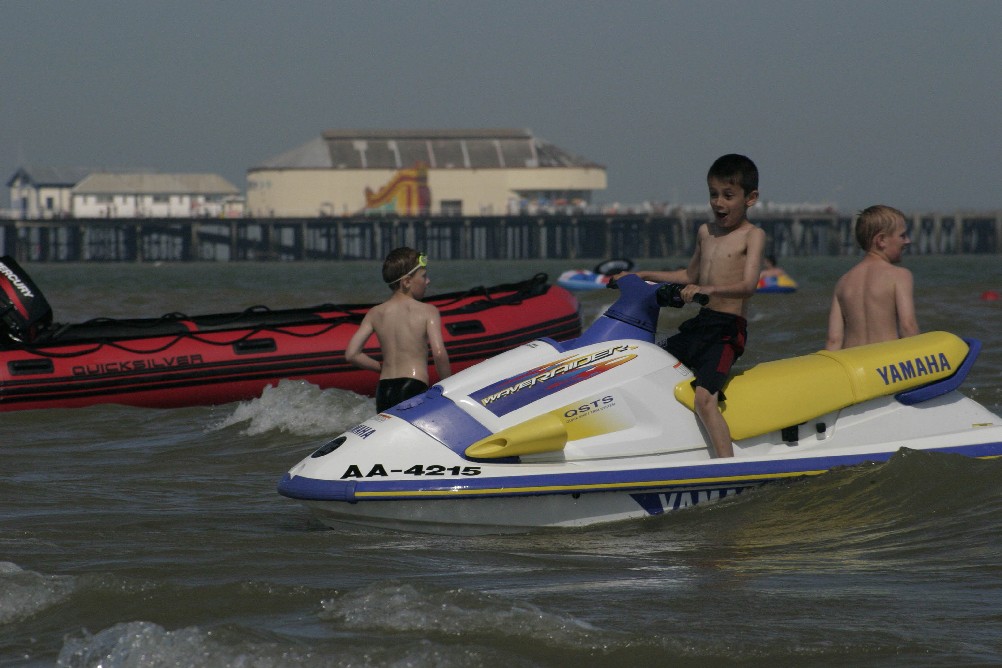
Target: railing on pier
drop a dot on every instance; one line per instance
(470, 237)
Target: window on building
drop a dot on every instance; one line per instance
(451, 207)
(50, 203)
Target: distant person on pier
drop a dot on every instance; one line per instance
(725, 265)
(406, 328)
(874, 301)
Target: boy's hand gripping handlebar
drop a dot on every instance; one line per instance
(670, 294)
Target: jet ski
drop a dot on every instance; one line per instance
(601, 428)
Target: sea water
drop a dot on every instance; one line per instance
(153, 537)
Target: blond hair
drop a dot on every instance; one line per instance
(874, 220)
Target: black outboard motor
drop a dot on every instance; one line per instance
(24, 312)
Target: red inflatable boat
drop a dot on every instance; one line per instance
(177, 360)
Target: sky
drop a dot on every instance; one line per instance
(849, 103)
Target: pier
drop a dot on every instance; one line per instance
(556, 236)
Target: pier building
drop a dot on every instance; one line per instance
(153, 195)
(44, 192)
(420, 173)
(49, 193)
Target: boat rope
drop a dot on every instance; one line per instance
(132, 329)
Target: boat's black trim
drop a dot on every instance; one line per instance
(256, 319)
(30, 367)
(206, 376)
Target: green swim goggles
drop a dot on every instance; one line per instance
(422, 261)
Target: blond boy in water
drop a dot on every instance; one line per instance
(874, 301)
(406, 328)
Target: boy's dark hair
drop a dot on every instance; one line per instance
(736, 169)
(398, 263)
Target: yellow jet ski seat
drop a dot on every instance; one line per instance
(774, 395)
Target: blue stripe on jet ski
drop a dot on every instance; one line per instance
(926, 392)
(657, 503)
(436, 415)
(311, 489)
(732, 473)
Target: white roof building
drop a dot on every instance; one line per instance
(414, 172)
(152, 195)
(79, 192)
(44, 192)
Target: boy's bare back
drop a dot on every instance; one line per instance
(870, 300)
(874, 301)
(405, 329)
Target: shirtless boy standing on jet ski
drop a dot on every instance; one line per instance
(406, 327)
(874, 301)
(725, 266)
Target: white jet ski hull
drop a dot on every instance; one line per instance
(587, 432)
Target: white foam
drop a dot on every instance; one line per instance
(403, 607)
(147, 644)
(26, 593)
(300, 408)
